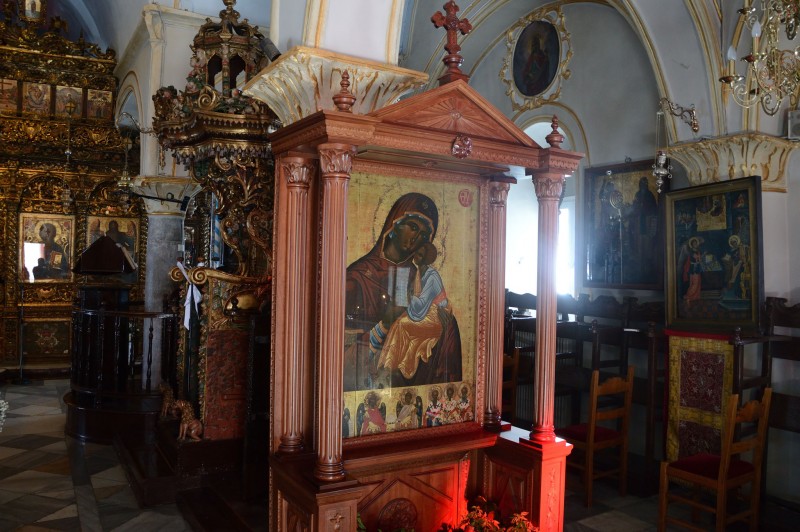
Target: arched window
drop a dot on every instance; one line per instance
(522, 223)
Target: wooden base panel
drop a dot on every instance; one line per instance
(160, 470)
(131, 418)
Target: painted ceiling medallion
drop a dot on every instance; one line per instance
(462, 147)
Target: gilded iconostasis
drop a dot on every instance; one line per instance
(60, 158)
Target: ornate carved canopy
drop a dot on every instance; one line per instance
(211, 117)
(222, 136)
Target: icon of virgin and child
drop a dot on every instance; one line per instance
(403, 331)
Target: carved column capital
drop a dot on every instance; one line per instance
(335, 158)
(548, 187)
(298, 171)
(498, 193)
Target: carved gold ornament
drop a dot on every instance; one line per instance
(462, 147)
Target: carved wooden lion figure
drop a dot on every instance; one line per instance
(167, 398)
(190, 426)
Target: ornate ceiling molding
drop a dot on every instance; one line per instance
(304, 80)
(735, 156)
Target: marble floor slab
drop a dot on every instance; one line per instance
(52, 482)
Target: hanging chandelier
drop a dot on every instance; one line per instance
(773, 74)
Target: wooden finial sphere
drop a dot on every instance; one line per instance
(344, 99)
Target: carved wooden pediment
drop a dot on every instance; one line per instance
(458, 108)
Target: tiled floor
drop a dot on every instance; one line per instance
(52, 482)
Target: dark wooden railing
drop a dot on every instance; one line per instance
(113, 351)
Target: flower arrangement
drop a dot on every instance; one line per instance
(481, 518)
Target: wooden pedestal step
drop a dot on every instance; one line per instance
(158, 472)
(102, 418)
(205, 509)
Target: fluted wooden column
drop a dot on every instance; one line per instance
(297, 173)
(498, 194)
(548, 191)
(335, 164)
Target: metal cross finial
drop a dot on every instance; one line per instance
(453, 25)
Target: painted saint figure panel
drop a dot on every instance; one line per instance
(410, 308)
(46, 242)
(8, 96)
(69, 94)
(36, 98)
(714, 257)
(98, 104)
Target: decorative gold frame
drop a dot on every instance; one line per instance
(29, 15)
(519, 101)
(59, 259)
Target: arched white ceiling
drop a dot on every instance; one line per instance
(111, 23)
(684, 41)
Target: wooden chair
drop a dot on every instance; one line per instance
(508, 408)
(609, 402)
(721, 473)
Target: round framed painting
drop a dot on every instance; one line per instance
(536, 58)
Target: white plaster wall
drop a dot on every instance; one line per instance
(361, 28)
(775, 237)
(158, 55)
(287, 23)
(792, 248)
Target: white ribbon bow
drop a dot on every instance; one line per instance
(192, 296)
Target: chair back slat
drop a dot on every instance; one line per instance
(737, 441)
(613, 386)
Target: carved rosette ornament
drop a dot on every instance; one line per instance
(462, 147)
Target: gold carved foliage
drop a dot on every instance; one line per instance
(44, 193)
(36, 141)
(47, 38)
(103, 201)
(49, 293)
(243, 187)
